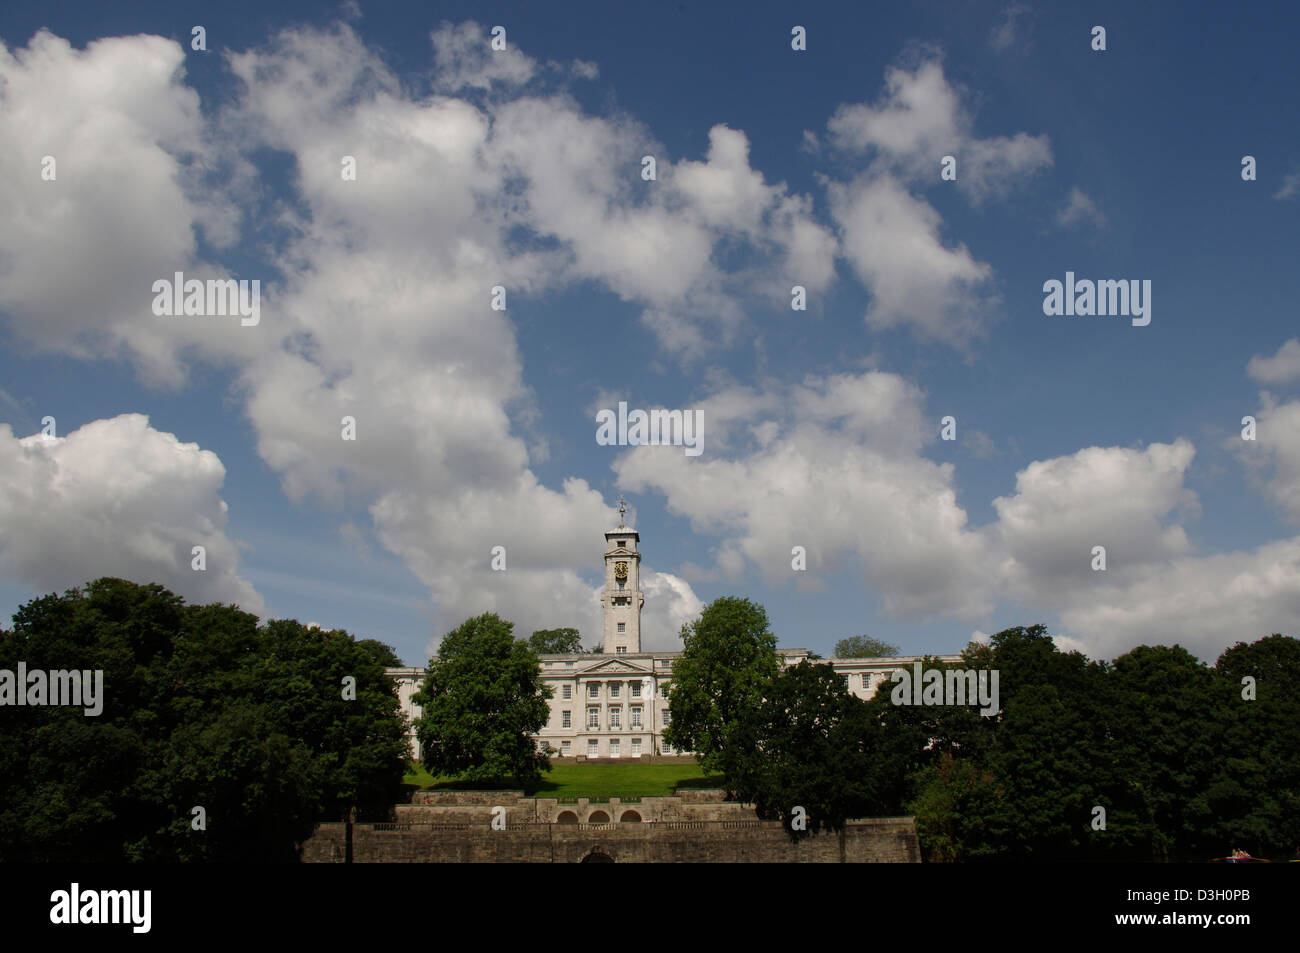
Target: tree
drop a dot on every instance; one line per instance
(483, 701)
(728, 661)
(201, 708)
(1255, 792)
(862, 646)
(556, 642)
(807, 744)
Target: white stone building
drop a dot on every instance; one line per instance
(615, 705)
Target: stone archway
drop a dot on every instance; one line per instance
(630, 817)
(598, 817)
(596, 856)
(567, 817)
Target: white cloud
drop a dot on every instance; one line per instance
(117, 498)
(465, 58)
(920, 119)
(1281, 368)
(1274, 455)
(892, 240)
(1100, 496)
(80, 258)
(1204, 603)
(833, 465)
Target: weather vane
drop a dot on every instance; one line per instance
(622, 510)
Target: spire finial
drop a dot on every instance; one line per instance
(622, 510)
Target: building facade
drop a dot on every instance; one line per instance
(614, 704)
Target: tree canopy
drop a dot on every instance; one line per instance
(203, 708)
(483, 701)
(556, 642)
(808, 744)
(727, 663)
(863, 646)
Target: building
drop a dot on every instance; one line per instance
(614, 704)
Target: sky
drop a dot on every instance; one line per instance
(820, 252)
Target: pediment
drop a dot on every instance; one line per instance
(616, 666)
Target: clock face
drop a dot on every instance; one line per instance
(620, 570)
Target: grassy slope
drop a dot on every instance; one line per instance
(594, 780)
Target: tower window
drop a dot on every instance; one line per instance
(622, 627)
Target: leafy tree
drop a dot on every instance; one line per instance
(1254, 794)
(728, 661)
(1168, 734)
(807, 744)
(957, 811)
(862, 646)
(556, 642)
(201, 708)
(483, 701)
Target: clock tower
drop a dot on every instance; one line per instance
(621, 598)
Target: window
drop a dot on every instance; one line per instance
(614, 717)
(566, 748)
(613, 747)
(613, 689)
(591, 747)
(622, 627)
(593, 689)
(665, 721)
(636, 689)
(593, 717)
(636, 747)
(866, 681)
(566, 719)
(566, 692)
(620, 650)
(636, 716)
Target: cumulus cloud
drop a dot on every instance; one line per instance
(77, 259)
(919, 119)
(117, 498)
(1274, 455)
(1280, 368)
(836, 464)
(892, 240)
(831, 464)
(891, 237)
(1113, 497)
(1204, 603)
(465, 58)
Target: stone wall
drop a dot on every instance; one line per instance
(876, 840)
(475, 807)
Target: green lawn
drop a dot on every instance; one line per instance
(568, 780)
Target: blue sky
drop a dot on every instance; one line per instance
(775, 167)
